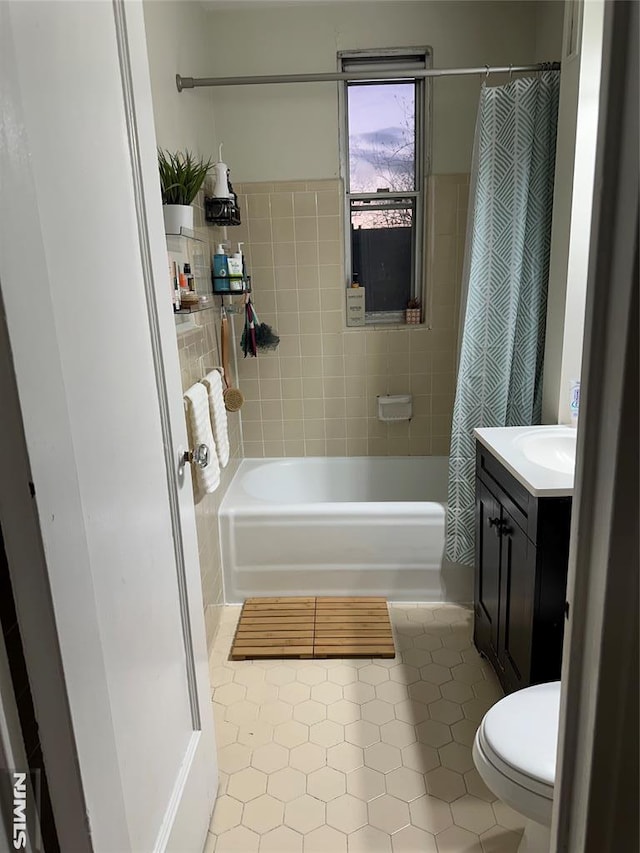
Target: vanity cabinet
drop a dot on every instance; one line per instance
(522, 551)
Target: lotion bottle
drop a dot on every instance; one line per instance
(220, 270)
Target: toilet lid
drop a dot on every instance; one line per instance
(522, 731)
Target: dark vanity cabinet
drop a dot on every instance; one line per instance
(522, 550)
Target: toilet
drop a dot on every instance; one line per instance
(515, 754)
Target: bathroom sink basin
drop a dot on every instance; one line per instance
(552, 449)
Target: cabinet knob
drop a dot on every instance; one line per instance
(495, 522)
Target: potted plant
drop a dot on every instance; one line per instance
(412, 312)
(181, 177)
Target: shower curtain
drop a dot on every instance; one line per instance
(506, 273)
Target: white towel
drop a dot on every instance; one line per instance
(213, 383)
(199, 423)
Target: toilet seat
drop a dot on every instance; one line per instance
(515, 749)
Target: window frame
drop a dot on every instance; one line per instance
(385, 58)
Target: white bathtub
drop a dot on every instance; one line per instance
(339, 526)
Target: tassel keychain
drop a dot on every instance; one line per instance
(264, 337)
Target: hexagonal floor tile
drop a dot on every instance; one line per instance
(476, 787)
(312, 675)
(430, 814)
(413, 840)
(433, 673)
(365, 784)
(433, 733)
(362, 733)
(239, 838)
(377, 712)
(226, 814)
(294, 693)
(326, 692)
(347, 813)
(263, 814)
(326, 733)
(304, 814)
(345, 757)
(388, 814)
(391, 691)
(455, 839)
(429, 642)
(373, 673)
(500, 840)
(226, 733)
(359, 692)
(275, 713)
(475, 709)
(229, 693)
(326, 784)
(488, 689)
(382, 757)
(242, 712)
(411, 711)
(445, 784)
(342, 674)
(508, 817)
(280, 675)
(445, 711)
(457, 691)
(325, 839)
(234, 757)
(287, 784)
(404, 673)
(416, 657)
(456, 756)
(398, 733)
(291, 733)
(420, 757)
(270, 758)
(247, 784)
(464, 732)
(281, 840)
(473, 814)
(467, 672)
(405, 784)
(343, 711)
(446, 657)
(424, 692)
(255, 734)
(368, 839)
(308, 757)
(310, 712)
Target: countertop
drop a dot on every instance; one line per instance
(537, 480)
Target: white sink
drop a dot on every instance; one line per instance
(554, 449)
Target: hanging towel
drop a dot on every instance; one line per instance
(213, 383)
(199, 427)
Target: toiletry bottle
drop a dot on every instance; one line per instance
(176, 287)
(184, 284)
(236, 265)
(220, 270)
(191, 282)
(574, 401)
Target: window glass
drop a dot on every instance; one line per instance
(382, 136)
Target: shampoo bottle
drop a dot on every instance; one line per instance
(220, 270)
(236, 269)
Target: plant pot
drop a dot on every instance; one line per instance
(177, 216)
(412, 316)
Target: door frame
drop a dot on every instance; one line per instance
(595, 805)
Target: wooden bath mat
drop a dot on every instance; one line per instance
(313, 628)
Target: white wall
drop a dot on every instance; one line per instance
(570, 237)
(178, 38)
(289, 132)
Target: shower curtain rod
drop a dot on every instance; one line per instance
(332, 76)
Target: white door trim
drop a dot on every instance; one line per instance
(595, 808)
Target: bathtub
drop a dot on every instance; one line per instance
(339, 526)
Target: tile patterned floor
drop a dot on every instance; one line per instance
(358, 756)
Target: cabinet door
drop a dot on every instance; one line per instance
(517, 591)
(487, 574)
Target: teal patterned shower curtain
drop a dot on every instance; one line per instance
(500, 369)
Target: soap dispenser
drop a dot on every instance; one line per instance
(220, 270)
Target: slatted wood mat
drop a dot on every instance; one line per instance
(313, 628)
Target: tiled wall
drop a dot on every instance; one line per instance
(198, 348)
(317, 394)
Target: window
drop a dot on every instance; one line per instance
(385, 155)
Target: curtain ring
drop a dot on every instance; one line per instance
(486, 73)
(510, 73)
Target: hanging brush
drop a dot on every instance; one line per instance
(256, 335)
(261, 334)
